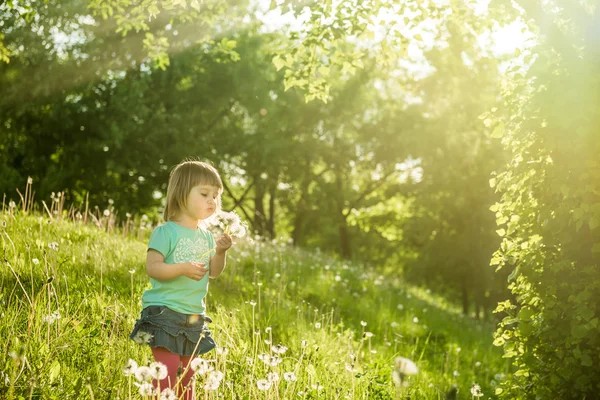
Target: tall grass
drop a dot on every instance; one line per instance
(71, 289)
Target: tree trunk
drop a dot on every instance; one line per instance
(259, 208)
(465, 299)
(271, 219)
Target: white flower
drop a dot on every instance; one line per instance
(405, 367)
(363, 323)
(304, 343)
(12, 204)
(168, 394)
(318, 325)
(456, 373)
(478, 364)
(476, 390)
(146, 389)
(106, 213)
(142, 337)
(36, 261)
(369, 334)
(289, 376)
(50, 319)
(218, 375)
(222, 350)
(252, 303)
(143, 373)
(130, 368)
(213, 380)
(416, 320)
(263, 384)
(279, 349)
(200, 366)
(400, 307)
(53, 246)
(317, 387)
(159, 370)
(273, 376)
(268, 329)
(228, 222)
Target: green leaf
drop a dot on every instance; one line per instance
(579, 331)
(498, 131)
(586, 360)
(278, 62)
(54, 371)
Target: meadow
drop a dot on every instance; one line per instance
(289, 323)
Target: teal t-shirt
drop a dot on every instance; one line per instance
(178, 245)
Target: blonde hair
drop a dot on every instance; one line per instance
(183, 178)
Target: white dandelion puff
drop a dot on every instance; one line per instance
(476, 390)
(142, 337)
(279, 349)
(130, 368)
(363, 323)
(53, 246)
(216, 375)
(159, 370)
(146, 389)
(273, 376)
(200, 366)
(36, 261)
(168, 394)
(263, 384)
(143, 374)
(289, 376)
(50, 319)
(403, 367)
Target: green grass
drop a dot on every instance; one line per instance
(95, 280)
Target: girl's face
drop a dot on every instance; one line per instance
(202, 201)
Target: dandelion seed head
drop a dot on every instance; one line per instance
(263, 384)
(146, 389)
(168, 394)
(289, 376)
(130, 367)
(159, 370)
(476, 390)
(143, 373)
(405, 366)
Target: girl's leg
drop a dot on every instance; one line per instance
(187, 379)
(171, 361)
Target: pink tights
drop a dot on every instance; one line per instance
(172, 362)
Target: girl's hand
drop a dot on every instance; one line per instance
(194, 270)
(223, 243)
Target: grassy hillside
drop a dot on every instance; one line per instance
(70, 294)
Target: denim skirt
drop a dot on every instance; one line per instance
(183, 334)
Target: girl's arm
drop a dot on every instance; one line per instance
(157, 268)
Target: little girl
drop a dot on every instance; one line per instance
(181, 257)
